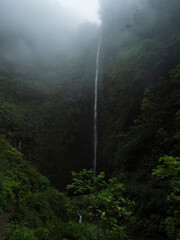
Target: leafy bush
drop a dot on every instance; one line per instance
(75, 231)
(104, 203)
(34, 210)
(17, 233)
(169, 171)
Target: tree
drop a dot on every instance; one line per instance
(169, 171)
(103, 204)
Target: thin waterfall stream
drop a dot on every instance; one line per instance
(95, 116)
(95, 109)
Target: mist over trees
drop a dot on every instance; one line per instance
(35, 31)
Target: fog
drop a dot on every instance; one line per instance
(122, 11)
(87, 10)
(39, 30)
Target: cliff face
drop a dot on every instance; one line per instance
(140, 51)
(46, 112)
(139, 96)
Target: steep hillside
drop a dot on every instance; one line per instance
(140, 99)
(46, 127)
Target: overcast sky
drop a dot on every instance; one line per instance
(87, 9)
(42, 27)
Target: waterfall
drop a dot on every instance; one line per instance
(80, 218)
(95, 108)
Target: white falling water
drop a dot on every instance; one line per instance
(80, 218)
(95, 109)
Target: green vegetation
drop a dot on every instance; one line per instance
(169, 171)
(139, 106)
(46, 127)
(102, 201)
(38, 211)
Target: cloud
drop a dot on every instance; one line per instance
(35, 28)
(86, 9)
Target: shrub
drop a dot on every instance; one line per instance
(17, 233)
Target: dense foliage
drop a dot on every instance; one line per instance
(139, 102)
(38, 211)
(46, 127)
